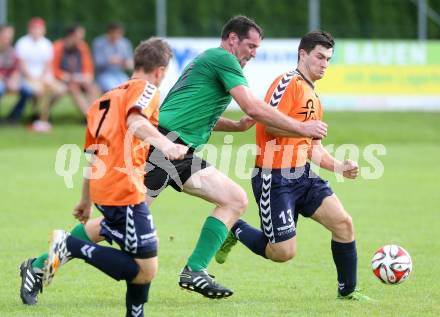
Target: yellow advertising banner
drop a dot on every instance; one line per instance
(383, 68)
(381, 80)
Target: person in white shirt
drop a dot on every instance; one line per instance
(35, 53)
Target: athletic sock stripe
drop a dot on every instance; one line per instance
(136, 310)
(138, 307)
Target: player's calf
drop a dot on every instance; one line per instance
(136, 297)
(138, 288)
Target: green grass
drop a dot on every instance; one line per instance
(401, 207)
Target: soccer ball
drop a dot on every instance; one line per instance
(391, 264)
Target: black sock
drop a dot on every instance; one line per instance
(252, 238)
(112, 262)
(136, 297)
(345, 258)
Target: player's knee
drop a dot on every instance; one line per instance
(282, 254)
(93, 229)
(345, 229)
(241, 203)
(348, 226)
(145, 276)
(147, 272)
(237, 202)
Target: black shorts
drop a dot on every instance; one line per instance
(162, 172)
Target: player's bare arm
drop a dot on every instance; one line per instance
(83, 209)
(262, 112)
(228, 125)
(145, 131)
(321, 157)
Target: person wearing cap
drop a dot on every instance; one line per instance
(35, 53)
(113, 55)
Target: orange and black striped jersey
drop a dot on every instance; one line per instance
(294, 96)
(123, 156)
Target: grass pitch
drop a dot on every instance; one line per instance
(401, 207)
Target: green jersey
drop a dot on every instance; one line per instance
(200, 95)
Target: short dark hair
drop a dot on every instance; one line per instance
(241, 26)
(72, 29)
(115, 25)
(151, 54)
(314, 38)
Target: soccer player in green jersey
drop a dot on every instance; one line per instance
(188, 115)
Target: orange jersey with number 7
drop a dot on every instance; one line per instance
(118, 169)
(299, 101)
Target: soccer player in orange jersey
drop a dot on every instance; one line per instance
(284, 186)
(120, 126)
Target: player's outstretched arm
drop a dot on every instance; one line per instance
(321, 157)
(145, 131)
(269, 116)
(228, 125)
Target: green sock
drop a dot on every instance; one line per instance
(213, 234)
(78, 232)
